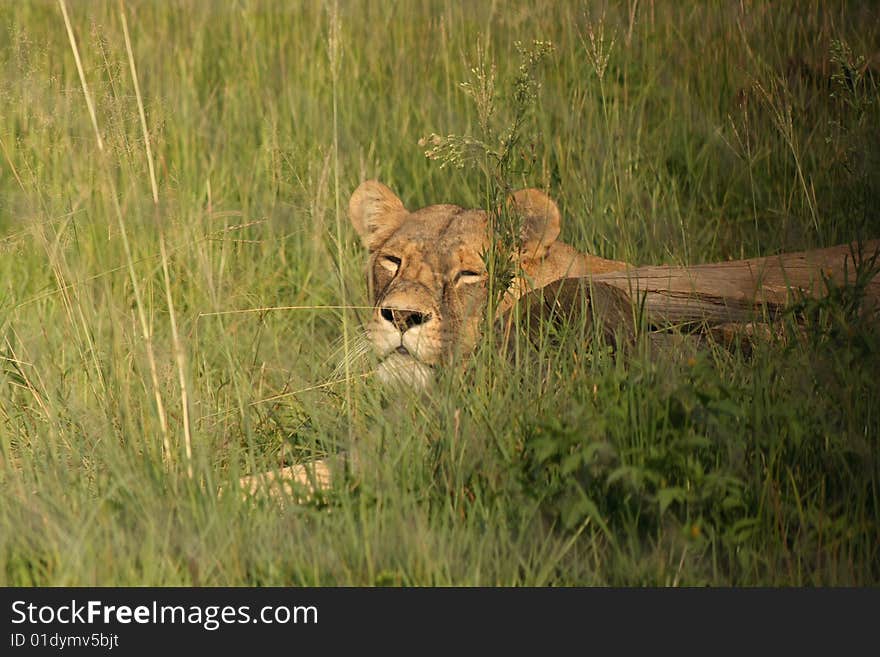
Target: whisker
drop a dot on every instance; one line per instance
(326, 384)
(318, 386)
(317, 307)
(268, 308)
(359, 342)
(360, 349)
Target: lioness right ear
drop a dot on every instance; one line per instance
(375, 212)
(540, 221)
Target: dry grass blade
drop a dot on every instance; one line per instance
(82, 75)
(180, 356)
(145, 328)
(140, 104)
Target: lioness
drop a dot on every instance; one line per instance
(427, 276)
(428, 284)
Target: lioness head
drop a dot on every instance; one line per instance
(427, 277)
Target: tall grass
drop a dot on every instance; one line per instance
(195, 163)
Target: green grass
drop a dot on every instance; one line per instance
(715, 132)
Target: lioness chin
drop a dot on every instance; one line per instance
(428, 280)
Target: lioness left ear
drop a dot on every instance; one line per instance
(375, 212)
(540, 221)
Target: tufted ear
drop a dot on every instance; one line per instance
(375, 212)
(540, 221)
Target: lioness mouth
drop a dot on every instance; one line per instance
(402, 368)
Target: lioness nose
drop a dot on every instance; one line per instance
(404, 319)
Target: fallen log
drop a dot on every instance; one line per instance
(733, 291)
(715, 295)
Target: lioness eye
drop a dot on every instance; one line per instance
(391, 263)
(468, 276)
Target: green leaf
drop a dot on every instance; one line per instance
(666, 496)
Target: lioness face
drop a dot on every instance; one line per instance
(427, 278)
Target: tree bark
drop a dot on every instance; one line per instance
(735, 292)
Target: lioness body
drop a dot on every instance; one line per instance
(560, 261)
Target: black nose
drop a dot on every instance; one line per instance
(404, 319)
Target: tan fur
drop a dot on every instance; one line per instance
(428, 280)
